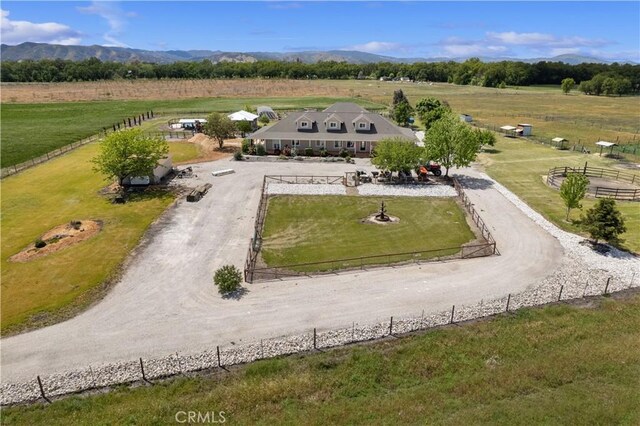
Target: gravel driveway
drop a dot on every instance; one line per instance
(166, 300)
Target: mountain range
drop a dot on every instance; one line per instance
(37, 51)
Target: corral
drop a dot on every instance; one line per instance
(603, 183)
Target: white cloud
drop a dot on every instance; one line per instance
(540, 40)
(565, 51)
(474, 49)
(16, 32)
(116, 19)
(377, 47)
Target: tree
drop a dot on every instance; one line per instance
(129, 153)
(396, 154)
(398, 98)
(604, 221)
(402, 113)
(219, 127)
(430, 110)
(263, 119)
(485, 137)
(567, 84)
(244, 127)
(228, 279)
(573, 190)
(451, 142)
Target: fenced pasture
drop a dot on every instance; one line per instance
(603, 183)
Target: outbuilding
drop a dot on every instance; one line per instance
(524, 129)
(605, 144)
(558, 142)
(243, 115)
(466, 118)
(509, 131)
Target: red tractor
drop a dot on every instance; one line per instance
(430, 166)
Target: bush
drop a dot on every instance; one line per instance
(39, 243)
(75, 224)
(323, 152)
(246, 144)
(263, 119)
(308, 152)
(347, 159)
(228, 279)
(260, 150)
(344, 153)
(237, 156)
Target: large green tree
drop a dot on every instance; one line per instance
(604, 221)
(402, 113)
(129, 153)
(219, 127)
(451, 142)
(396, 154)
(572, 190)
(430, 110)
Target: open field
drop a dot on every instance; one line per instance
(560, 364)
(31, 130)
(304, 229)
(520, 166)
(52, 194)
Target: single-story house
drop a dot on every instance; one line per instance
(243, 115)
(343, 125)
(163, 168)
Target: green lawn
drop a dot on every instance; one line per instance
(520, 166)
(554, 365)
(303, 229)
(31, 130)
(52, 194)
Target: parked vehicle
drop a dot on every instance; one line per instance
(429, 167)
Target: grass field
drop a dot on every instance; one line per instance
(52, 194)
(31, 130)
(520, 166)
(304, 229)
(560, 364)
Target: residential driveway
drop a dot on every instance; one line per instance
(166, 300)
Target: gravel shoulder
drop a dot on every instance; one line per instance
(166, 301)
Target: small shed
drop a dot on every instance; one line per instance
(605, 144)
(559, 142)
(509, 131)
(190, 123)
(243, 115)
(265, 110)
(163, 168)
(466, 118)
(524, 129)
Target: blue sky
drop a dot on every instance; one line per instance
(609, 30)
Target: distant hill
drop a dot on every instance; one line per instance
(37, 51)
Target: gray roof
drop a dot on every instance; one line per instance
(345, 107)
(380, 127)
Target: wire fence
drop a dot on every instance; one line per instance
(151, 371)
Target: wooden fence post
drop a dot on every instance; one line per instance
(391, 327)
(560, 295)
(42, 390)
(453, 310)
(218, 352)
(144, 376)
(314, 338)
(606, 287)
(508, 301)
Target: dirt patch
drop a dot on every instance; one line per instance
(58, 238)
(210, 150)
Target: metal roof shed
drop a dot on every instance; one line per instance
(509, 131)
(605, 144)
(559, 142)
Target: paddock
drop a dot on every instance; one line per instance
(603, 183)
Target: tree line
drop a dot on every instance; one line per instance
(470, 72)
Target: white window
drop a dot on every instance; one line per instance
(304, 124)
(333, 125)
(337, 144)
(295, 143)
(362, 125)
(350, 144)
(276, 145)
(319, 143)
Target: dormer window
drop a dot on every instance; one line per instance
(333, 125)
(362, 125)
(304, 124)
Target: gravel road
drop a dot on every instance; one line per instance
(166, 300)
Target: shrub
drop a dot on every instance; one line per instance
(39, 243)
(347, 159)
(228, 279)
(245, 146)
(323, 152)
(260, 150)
(344, 153)
(263, 119)
(237, 155)
(75, 224)
(308, 152)
(294, 152)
